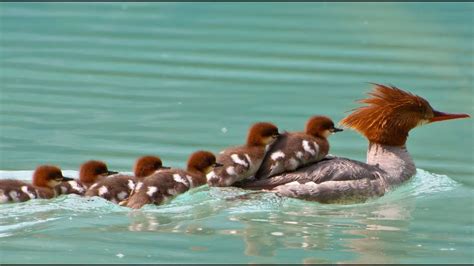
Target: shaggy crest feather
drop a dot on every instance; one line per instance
(389, 114)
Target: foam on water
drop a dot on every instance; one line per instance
(422, 184)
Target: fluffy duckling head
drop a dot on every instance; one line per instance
(202, 162)
(48, 176)
(93, 171)
(262, 134)
(147, 165)
(320, 126)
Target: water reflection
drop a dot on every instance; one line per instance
(267, 224)
(385, 226)
(362, 230)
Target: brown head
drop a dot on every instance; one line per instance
(391, 113)
(261, 134)
(93, 171)
(147, 165)
(202, 162)
(48, 176)
(320, 126)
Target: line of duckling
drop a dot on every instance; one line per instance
(153, 183)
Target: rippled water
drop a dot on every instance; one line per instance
(114, 81)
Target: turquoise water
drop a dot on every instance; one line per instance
(115, 81)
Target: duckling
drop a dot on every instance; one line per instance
(90, 172)
(170, 182)
(45, 178)
(296, 149)
(118, 187)
(242, 162)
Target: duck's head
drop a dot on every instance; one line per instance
(390, 113)
(262, 134)
(48, 176)
(147, 165)
(202, 162)
(93, 171)
(320, 126)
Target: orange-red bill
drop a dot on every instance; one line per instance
(440, 116)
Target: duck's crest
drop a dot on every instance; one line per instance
(389, 114)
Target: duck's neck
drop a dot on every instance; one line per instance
(196, 172)
(199, 177)
(394, 160)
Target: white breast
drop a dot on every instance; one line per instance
(211, 175)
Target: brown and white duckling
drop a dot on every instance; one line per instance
(119, 187)
(242, 162)
(296, 149)
(164, 184)
(45, 178)
(90, 172)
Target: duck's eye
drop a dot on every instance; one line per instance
(271, 134)
(101, 171)
(56, 177)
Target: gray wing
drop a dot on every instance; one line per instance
(330, 169)
(346, 191)
(333, 180)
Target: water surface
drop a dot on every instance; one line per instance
(113, 81)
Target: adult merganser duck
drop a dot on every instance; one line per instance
(118, 187)
(90, 172)
(385, 121)
(296, 149)
(164, 184)
(45, 178)
(242, 162)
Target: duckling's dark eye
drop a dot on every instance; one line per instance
(271, 132)
(56, 176)
(99, 171)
